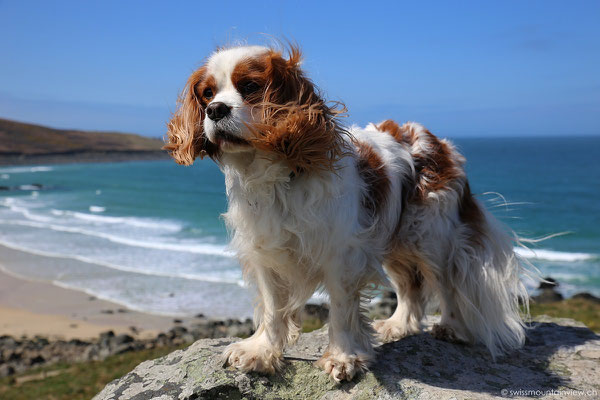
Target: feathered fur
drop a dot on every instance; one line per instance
(314, 205)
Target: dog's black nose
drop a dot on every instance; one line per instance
(217, 111)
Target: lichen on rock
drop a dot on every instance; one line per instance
(559, 355)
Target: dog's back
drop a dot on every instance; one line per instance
(443, 244)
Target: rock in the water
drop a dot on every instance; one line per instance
(548, 283)
(559, 355)
(547, 296)
(547, 291)
(586, 296)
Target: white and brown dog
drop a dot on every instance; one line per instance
(314, 205)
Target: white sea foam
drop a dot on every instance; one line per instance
(194, 247)
(563, 277)
(148, 223)
(35, 220)
(28, 187)
(165, 306)
(7, 201)
(15, 207)
(128, 304)
(189, 247)
(552, 255)
(230, 278)
(19, 170)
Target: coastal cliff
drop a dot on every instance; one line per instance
(22, 143)
(560, 357)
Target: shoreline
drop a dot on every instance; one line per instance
(29, 265)
(42, 323)
(32, 307)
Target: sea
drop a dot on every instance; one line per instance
(148, 234)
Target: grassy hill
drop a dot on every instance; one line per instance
(22, 143)
(19, 138)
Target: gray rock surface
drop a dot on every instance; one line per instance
(560, 358)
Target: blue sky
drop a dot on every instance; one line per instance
(462, 68)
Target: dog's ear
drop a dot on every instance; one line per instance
(296, 123)
(185, 133)
(288, 84)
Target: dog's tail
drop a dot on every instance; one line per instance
(487, 283)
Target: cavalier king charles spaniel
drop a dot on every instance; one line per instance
(315, 205)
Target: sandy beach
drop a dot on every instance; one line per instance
(41, 308)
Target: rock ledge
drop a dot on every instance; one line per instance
(561, 356)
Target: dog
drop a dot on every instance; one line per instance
(315, 205)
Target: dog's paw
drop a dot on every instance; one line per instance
(448, 334)
(341, 366)
(252, 355)
(389, 330)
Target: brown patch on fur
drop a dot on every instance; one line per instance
(255, 69)
(296, 124)
(470, 214)
(185, 134)
(372, 172)
(408, 268)
(411, 274)
(208, 83)
(392, 127)
(436, 169)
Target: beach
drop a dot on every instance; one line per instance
(89, 247)
(146, 237)
(31, 308)
(140, 234)
(42, 323)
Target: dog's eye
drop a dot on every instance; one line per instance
(208, 93)
(247, 88)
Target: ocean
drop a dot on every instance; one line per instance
(149, 235)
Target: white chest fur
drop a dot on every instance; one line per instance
(301, 220)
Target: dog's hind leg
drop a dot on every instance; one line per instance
(452, 327)
(481, 291)
(406, 278)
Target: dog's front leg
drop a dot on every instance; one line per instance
(350, 346)
(276, 324)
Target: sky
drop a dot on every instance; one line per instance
(463, 69)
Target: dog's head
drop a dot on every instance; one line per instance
(253, 98)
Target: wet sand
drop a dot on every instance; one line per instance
(32, 308)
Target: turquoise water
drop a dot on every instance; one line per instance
(148, 234)
(555, 183)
